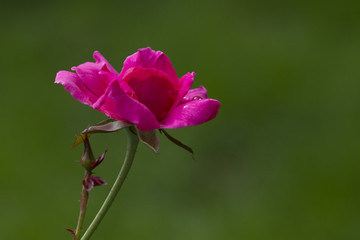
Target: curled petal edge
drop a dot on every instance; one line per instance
(148, 58)
(74, 85)
(192, 113)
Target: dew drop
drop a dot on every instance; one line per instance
(196, 98)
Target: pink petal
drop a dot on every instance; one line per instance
(102, 61)
(148, 58)
(195, 94)
(186, 82)
(89, 74)
(191, 113)
(153, 89)
(118, 105)
(73, 84)
(107, 76)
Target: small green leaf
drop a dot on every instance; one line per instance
(79, 139)
(150, 139)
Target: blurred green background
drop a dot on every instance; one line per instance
(280, 161)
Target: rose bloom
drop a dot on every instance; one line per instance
(146, 93)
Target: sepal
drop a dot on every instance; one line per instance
(150, 139)
(72, 232)
(92, 182)
(106, 126)
(98, 160)
(177, 142)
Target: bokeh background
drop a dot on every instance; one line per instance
(280, 161)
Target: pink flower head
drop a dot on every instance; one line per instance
(146, 93)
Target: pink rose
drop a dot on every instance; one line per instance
(146, 93)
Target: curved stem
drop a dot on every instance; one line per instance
(129, 157)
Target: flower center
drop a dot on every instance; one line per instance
(153, 88)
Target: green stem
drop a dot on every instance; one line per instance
(83, 204)
(129, 157)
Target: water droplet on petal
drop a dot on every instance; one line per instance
(196, 98)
